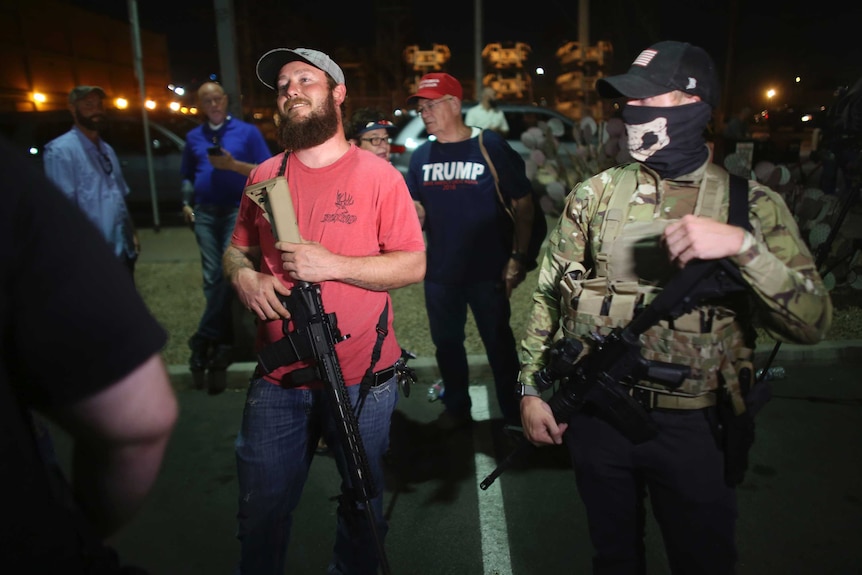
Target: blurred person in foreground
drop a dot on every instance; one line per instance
(370, 130)
(468, 264)
(486, 115)
(671, 205)
(87, 170)
(361, 238)
(81, 349)
(218, 157)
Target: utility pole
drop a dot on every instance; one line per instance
(477, 48)
(226, 36)
(139, 72)
(584, 39)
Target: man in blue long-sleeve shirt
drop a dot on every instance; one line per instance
(218, 157)
(86, 169)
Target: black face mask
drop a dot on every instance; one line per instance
(668, 140)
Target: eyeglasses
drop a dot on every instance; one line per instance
(105, 161)
(376, 141)
(430, 105)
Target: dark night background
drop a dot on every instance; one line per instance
(768, 42)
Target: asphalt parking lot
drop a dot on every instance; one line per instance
(800, 506)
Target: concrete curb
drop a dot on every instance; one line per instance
(427, 372)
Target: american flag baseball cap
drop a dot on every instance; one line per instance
(662, 68)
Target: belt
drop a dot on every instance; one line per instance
(287, 381)
(650, 399)
(383, 376)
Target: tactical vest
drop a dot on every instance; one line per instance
(630, 265)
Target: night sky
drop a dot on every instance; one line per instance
(773, 40)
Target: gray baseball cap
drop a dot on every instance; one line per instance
(272, 62)
(80, 92)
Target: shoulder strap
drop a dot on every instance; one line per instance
(491, 167)
(710, 199)
(737, 214)
(283, 166)
(711, 195)
(368, 378)
(624, 182)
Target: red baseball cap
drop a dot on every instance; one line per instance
(436, 85)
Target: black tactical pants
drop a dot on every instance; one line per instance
(681, 470)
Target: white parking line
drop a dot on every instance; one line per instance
(492, 513)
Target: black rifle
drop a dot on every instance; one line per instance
(594, 381)
(313, 338)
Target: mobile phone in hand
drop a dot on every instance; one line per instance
(214, 151)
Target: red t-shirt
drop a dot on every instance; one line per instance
(358, 206)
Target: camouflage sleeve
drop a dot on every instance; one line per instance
(795, 306)
(567, 243)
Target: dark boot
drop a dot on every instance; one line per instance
(201, 350)
(217, 369)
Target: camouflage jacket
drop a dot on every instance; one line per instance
(788, 295)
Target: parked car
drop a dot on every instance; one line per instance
(519, 116)
(124, 131)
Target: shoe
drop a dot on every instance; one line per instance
(216, 381)
(448, 421)
(217, 369)
(201, 349)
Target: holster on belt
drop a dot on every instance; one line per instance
(736, 427)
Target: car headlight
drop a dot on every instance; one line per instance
(410, 144)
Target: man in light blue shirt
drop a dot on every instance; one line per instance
(86, 169)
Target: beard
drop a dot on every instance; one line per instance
(303, 133)
(95, 122)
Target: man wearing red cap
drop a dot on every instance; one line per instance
(623, 235)
(360, 238)
(470, 263)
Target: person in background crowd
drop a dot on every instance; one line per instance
(361, 238)
(623, 234)
(217, 159)
(87, 171)
(81, 349)
(486, 115)
(469, 264)
(369, 129)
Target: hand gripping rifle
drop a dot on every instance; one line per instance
(594, 382)
(313, 338)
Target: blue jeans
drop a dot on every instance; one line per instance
(213, 228)
(447, 317)
(274, 449)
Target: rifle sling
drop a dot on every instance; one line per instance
(368, 379)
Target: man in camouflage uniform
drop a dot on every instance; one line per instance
(622, 235)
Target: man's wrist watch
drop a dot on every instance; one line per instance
(528, 390)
